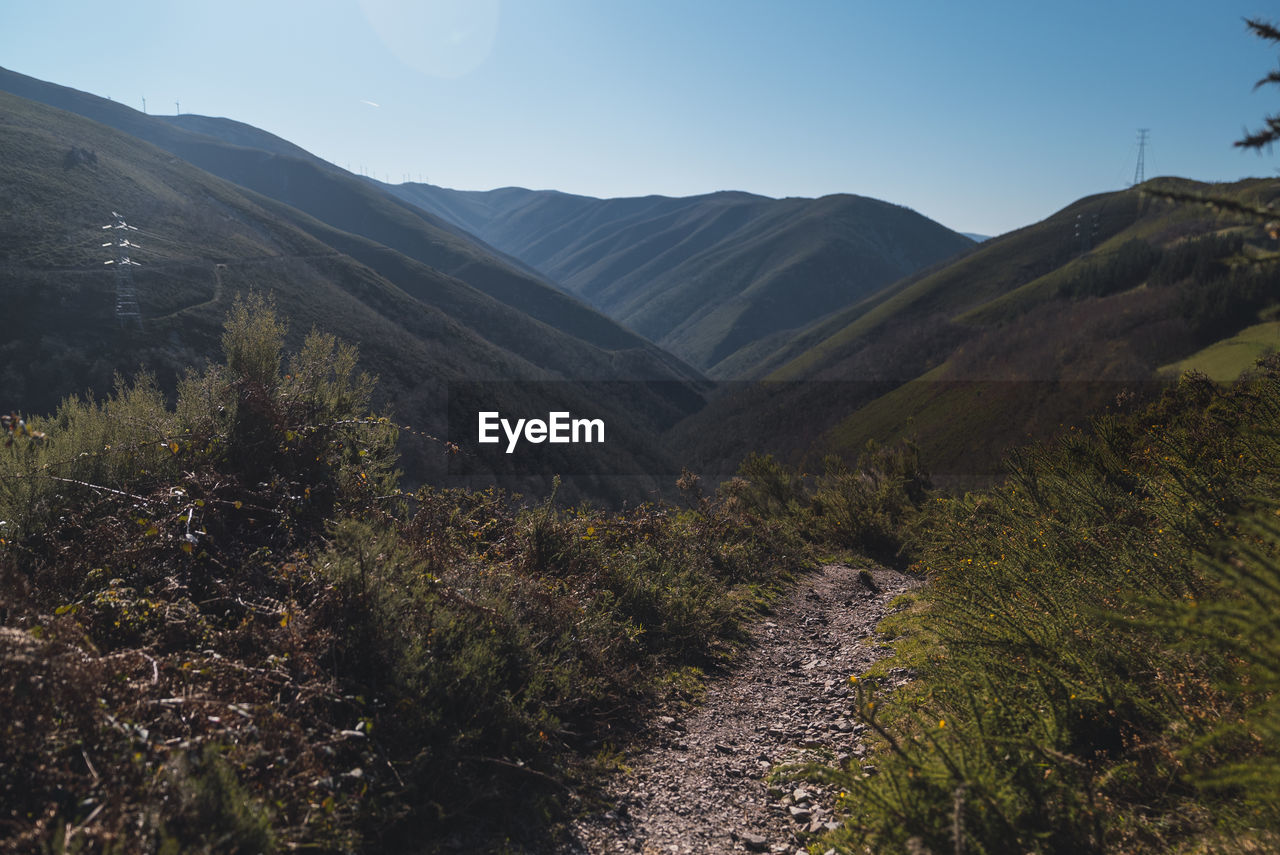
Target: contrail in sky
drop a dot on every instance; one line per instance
(370, 103)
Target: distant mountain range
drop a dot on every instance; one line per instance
(851, 319)
(707, 277)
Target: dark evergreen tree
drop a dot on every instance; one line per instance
(1265, 137)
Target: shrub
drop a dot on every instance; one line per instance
(866, 508)
(225, 623)
(208, 810)
(1095, 648)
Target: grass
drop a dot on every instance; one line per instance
(1224, 361)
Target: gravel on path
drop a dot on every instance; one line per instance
(698, 783)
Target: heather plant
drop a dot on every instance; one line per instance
(489, 631)
(211, 811)
(225, 627)
(767, 487)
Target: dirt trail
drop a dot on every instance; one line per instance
(699, 786)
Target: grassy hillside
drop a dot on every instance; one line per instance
(1026, 332)
(1095, 654)
(988, 272)
(339, 199)
(707, 276)
(1224, 361)
(204, 240)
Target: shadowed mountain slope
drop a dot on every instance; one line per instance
(266, 164)
(708, 278)
(204, 240)
(705, 276)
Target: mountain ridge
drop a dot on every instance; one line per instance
(205, 240)
(343, 200)
(1024, 333)
(704, 276)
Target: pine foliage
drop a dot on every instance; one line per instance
(1267, 135)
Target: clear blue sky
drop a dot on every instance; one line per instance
(983, 115)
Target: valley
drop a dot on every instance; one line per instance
(355, 516)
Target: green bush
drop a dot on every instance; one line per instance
(1095, 648)
(208, 811)
(867, 508)
(253, 638)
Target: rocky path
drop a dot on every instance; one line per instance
(699, 785)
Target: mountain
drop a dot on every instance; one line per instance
(722, 280)
(1095, 307)
(431, 337)
(707, 277)
(266, 164)
(976, 238)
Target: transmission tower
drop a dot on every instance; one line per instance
(1140, 171)
(127, 312)
(1085, 233)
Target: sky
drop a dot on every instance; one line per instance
(985, 116)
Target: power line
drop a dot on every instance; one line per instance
(1140, 171)
(127, 312)
(1085, 234)
(153, 236)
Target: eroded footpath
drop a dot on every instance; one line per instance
(699, 784)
